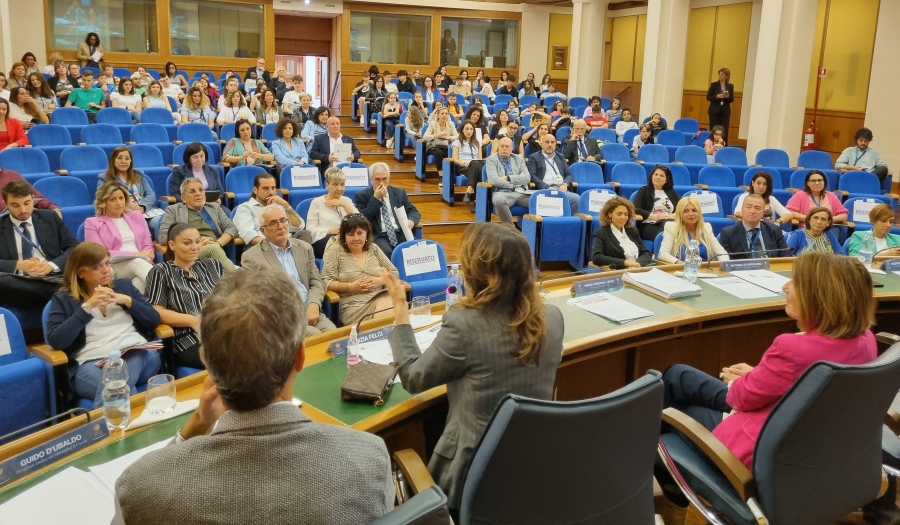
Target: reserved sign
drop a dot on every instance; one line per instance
(53, 450)
(602, 284)
(709, 202)
(598, 198)
(304, 177)
(356, 177)
(861, 209)
(421, 258)
(340, 347)
(548, 206)
(745, 264)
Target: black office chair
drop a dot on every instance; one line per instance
(428, 507)
(817, 458)
(588, 462)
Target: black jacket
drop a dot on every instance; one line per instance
(734, 239)
(53, 236)
(644, 199)
(607, 250)
(570, 149)
(715, 107)
(408, 87)
(369, 206)
(265, 76)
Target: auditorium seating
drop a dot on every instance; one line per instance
(297, 194)
(776, 160)
(154, 135)
(588, 176)
(651, 155)
(85, 163)
(104, 136)
(31, 163)
(713, 211)
(863, 184)
(72, 118)
(118, 117)
(197, 132)
(423, 284)
(688, 127)
(720, 180)
(72, 196)
(672, 140)
(627, 178)
(552, 235)
(591, 203)
(162, 117)
(734, 158)
(52, 139)
(239, 182)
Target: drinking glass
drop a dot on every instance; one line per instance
(420, 311)
(160, 394)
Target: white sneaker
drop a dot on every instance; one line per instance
(390, 143)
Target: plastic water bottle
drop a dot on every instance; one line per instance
(867, 249)
(352, 348)
(454, 286)
(116, 392)
(692, 261)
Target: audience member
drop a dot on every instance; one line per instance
(437, 139)
(814, 194)
(171, 90)
(352, 269)
(12, 135)
(479, 363)
(656, 125)
(476, 114)
(317, 125)
(141, 196)
(774, 212)
(94, 315)
(36, 243)
(624, 124)
(23, 109)
(235, 110)
(509, 88)
(4, 88)
(565, 119)
(288, 149)
(816, 236)
(18, 75)
(196, 109)
(617, 242)
(123, 233)
(527, 89)
(141, 80)
(177, 288)
(195, 165)
(90, 52)
(454, 107)
(656, 202)
(467, 157)
(460, 88)
(501, 122)
(405, 84)
(155, 98)
(266, 109)
(441, 81)
(419, 103)
(615, 109)
(861, 157)
(374, 98)
(175, 78)
(504, 77)
(88, 98)
(389, 86)
(6, 176)
(484, 87)
(304, 111)
(362, 86)
(753, 237)
(231, 85)
(595, 108)
(507, 174)
(595, 117)
(548, 170)
(279, 252)
(580, 148)
(323, 146)
(720, 97)
(378, 203)
(413, 123)
(532, 137)
(260, 70)
(327, 211)
(30, 61)
(429, 90)
(52, 58)
(390, 117)
(417, 77)
(280, 83)
(39, 90)
(243, 149)
(882, 218)
(714, 143)
(689, 226)
(546, 80)
(214, 228)
(265, 193)
(291, 99)
(61, 83)
(512, 132)
(643, 137)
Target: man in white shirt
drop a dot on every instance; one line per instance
(389, 86)
(246, 216)
(292, 98)
(548, 170)
(323, 146)
(169, 90)
(508, 175)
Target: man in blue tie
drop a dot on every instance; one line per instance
(379, 203)
(548, 170)
(753, 237)
(35, 243)
(580, 147)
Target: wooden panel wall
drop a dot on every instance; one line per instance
(694, 105)
(836, 129)
(631, 98)
(302, 35)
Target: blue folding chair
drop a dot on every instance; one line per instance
(552, 230)
(693, 158)
(720, 180)
(562, 133)
(118, 117)
(52, 139)
(502, 101)
(627, 178)
(296, 193)
(211, 158)
(859, 208)
(268, 133)
(628, 137)
(588, 176)
(239, 183)
(149, 160)
(714, 214)
(574, 102)
(688, 127)
(777, 161)
(796, 183)
(651, 155)
(31, 163)
(198, 132)
(681, 179)
(85, 163)
(423, 284)
(592, 202)
(734, 158)
(672, 140)
(121, 72)
(451, 178)
(105, 136)
(226, 133)
(484, 206)
(154, 135)
(864, 184)
(605, 134)
(613, 154)
(72, 196)
(162, 117)
(72, 118)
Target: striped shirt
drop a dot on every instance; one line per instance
(175, 289)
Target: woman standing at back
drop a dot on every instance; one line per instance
(501, 339)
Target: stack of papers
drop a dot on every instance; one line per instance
(379, 352)
(764, 278)
(740, 288)
(662, 284)
(609, 307)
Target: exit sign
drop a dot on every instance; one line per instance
(823, 72)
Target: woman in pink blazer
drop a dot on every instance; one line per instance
(830, 297)
(123, 232)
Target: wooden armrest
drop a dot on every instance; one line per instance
(223, 142)
(716, 163)
(614, 184)
(795, 223)
(795, 168)
(414, 470)
(678, 162)
(284, 192)
(702, 186)
(317, 162)
(27, 146)
(486, 184)
(745, 188)
(164, 331)
(583, 216)
(168, 198)
(892, 196)
(172, 166)
(638, 218)
(48, 354)
(177, 142)
(848, 224)
(535, 218)
(842, 193)
(223, 164)
(887, 338)
(756, 165)
(81, 143)
(61, 172)
(229, 194)
(738, 475)
(639, 162)
(332, 297)
(732, 217)
(131, 143)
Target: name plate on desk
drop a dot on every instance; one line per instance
(745, 264)
(891, 265)
(602, 284)
(53, 450)
(340, 347)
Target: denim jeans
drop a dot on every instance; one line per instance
(142, 365)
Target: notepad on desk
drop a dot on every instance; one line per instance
(763, 278)
(662, 284)
(609, 307)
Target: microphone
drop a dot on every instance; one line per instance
(368, 316)
(586, 271)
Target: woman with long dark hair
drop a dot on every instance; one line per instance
(87, 49)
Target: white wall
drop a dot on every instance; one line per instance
(27, 32)
(535, 29)
(883, 104)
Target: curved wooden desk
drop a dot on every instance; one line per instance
(709, 332)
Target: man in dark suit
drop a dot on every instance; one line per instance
(260, 71)
(322, 148)
(579, 146)
(33, 242)
(378, 203)
(754, 234)
(548, 169)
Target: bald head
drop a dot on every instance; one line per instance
(505, 147)
(334, 126)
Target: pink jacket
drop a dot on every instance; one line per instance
(754, 395)
(103, 231)
(801, 202)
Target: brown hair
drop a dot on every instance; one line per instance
(496, 262)
(880, 212)
(816, 210)
(349, 224)
(834, 295)
(764, 174)
(29, 108)
(727, 74)
(172, 235)
(611, 205)
(42, 91)
(105, 191)
(84, 255)
(16, 188)
(279, 128)
(131, 177)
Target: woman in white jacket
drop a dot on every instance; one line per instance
(687, 226)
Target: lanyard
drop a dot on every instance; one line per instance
(816, 202)
(753, 241)
(861, 155)
(552, 163)
(34, 244)
(234, 113)
(207, 219)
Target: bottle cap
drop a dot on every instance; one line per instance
(454, 266)
(115, 354)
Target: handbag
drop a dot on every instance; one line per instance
(368, 382)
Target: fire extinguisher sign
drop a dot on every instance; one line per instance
(822, 72)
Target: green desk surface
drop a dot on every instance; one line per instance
(580, 323)
(891, 282)
(713, 298)
(138, 440)
(320, 386)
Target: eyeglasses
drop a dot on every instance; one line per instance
(275, 224)
(352, 216)
(816, 181)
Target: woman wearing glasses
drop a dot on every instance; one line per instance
(814, 195)
(327, 211)
(352, 269)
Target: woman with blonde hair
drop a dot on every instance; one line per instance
(94, 315)
(235, 109)
(196, 108)
(155, 98)
(141, 196)
(688, 226)
(500, 339)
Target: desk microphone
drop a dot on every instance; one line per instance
(367, 316)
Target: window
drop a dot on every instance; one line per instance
(127, 26)
(474, 42)
(389, 39)
(217, 29)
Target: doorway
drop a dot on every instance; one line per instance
(314, 70)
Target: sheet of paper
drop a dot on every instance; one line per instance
(5, 348)
(740, 288)
(97, 56)
(109, 472)
(98, 485)
(356, 177)
(662, 283)
(597, 198)
(424, 338)
(769, 280)
(403, 222)
(871, 270)
(343, 151)
(700, 275)
(378, 352)
(609, 307)
(709, 202)
(304, 177)
(64, 498)
(420, 258)
(861, 209)
(550, 205)
(147, 418)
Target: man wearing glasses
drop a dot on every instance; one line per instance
(278, 251)
(246, 216)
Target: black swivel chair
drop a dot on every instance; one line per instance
(428, 507)
(588, 462)
(817, 458)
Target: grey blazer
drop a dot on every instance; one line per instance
(471, 355)
(262, 257)
(179, 213)
(271, 465)
(519, 175)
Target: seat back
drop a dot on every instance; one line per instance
(146, 156)
(628, 138)
(777, 183)
(268, 132)
(587, 172)
(526, 100)
(240, 179)
(101, 134)
(227, 131)
(49, 135)
(560, 133)
(84, 158)
(686, 125)
(653, 154)
(802, 478)
(548, 203)
(814, 159)
(731, 157)
(65, 191)
(149, 133)
(156, 116)
(501, 101)
(604, 134)
(285, 181)
(592, 202)
(25, 160)
(706, 203)
(700, 139)
(607, 474)
(178, 154)
(628, 173)
(615, 152)
(670, 137)
(574, 102)
(680, 175)
(114, 116)
(15, 337)
(302, 208)
(859, 208)
(428, 507)
(69, 116)
(860, 182)
(717, 176)
(690, 155)
(399, 259)
(773, 157)
(195, 132)
(799, 176)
